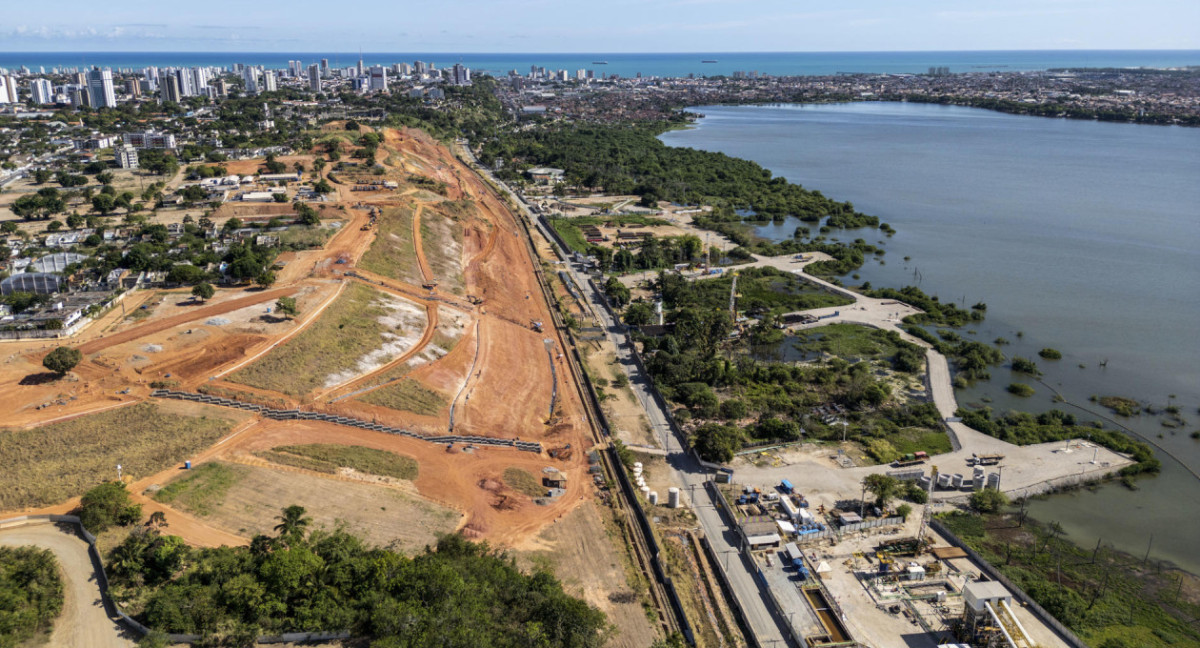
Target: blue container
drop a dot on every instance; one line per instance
(187, 465)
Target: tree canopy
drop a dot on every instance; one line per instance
(455, 594)
(62, 359)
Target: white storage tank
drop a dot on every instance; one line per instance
(944, 480)
(673, 497)
(923, 482)
(993, 480)
(956, 482)
(645, 492)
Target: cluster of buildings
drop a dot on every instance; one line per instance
(102, 88)
(1166, 95)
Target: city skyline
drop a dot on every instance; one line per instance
(538, 26)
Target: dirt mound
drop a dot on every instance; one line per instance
(490, 485)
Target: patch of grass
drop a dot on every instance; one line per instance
(392, 253)
(327, 458)
(847, 341)
(345, 332)
(1121, 405)
(202, 489)
(571, 235)
(51, 463)
(407, 396)
(1020, 389)
(304, 238)
(441, 239)
(523, 482)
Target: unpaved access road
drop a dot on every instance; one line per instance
(84, 623)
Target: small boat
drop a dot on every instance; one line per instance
(709, 61)
(599, 62)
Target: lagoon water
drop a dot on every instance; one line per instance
(1079, 235)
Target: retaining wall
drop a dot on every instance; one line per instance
(299, 415)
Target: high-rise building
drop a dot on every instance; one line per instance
(200, 77)
(250, 77)
(360, 69)
(170, 89)
(314, 76)
(379, 79)
(8, 94)
(269, 81)
(100, 89)
(420, 67)
(461, 74)
(222, 88)
(185, 82)
(42, 91)
(294, 69)
(133, 88)
(324, 68)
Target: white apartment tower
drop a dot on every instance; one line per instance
(8, 92)
(269, 84)
(250, 76)
(42, 91)
(100, 89)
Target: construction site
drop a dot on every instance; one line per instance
(423, 330)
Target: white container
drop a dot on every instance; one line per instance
(673, 497)
(654, 498)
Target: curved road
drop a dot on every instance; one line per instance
(84, 622)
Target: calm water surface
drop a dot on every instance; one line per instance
(1082, 236)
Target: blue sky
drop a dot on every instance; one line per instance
(598, 25)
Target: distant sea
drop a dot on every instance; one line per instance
(628, 65)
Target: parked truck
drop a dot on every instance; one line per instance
(796, 558)
(786, 487)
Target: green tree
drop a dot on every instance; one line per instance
(103, 203)
(904, 510)
(62, 359)
(204, 291)
(287, 306)
(988, 500)
(883, 487)
(107, 505)
(716, 442)
(617, 291)
(265, 278)
(639, 314)
(292, 523)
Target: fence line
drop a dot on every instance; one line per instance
(295, 414)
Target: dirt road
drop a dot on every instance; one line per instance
(199, 313)
(84, 623)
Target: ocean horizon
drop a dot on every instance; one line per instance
(679, 64)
